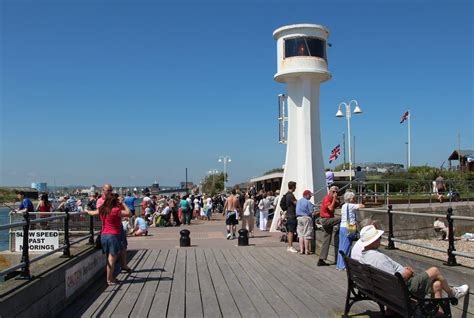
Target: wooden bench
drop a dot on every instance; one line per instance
(366, 282)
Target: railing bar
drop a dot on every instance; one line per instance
(11, 269)
(463, 254)
(51, 218)
(12, 225)
(459, 217)
(416, 244)
(37, 258)
(80, 239)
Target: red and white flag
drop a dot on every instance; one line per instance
(335, 153)
(405, 117)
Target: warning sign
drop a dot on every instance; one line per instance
(39, 241)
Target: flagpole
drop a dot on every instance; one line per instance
(409, 138)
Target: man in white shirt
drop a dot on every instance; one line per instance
(430, 281)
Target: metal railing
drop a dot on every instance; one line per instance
(26, 225)
(383, 190)
(451, 251)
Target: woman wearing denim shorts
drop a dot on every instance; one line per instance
(111, 213)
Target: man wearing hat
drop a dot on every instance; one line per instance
(328, 221)
(430, 281)
(304, 211)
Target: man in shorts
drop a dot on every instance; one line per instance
(304, 213)
(430, 281)
(232, 211)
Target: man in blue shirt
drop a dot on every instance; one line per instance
(26, 205)
(304, 212)
(129, 200)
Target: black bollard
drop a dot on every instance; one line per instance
(243, 237)
(184, 240)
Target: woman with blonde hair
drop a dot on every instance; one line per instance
(348, 227)
(248, 220)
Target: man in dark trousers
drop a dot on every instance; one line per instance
(291, 215)
(328, 221)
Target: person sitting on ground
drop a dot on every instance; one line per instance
(140, 226)
(165, 215)
(441, 228)
(430, 281)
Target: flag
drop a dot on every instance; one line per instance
(335, 153)
(405, 117)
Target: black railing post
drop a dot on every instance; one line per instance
(451, 257)
(67, 245)
(25, 257)
(91, 230)
(391, 243)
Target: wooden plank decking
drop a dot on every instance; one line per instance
(232, 282)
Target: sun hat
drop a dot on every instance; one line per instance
(369, 234)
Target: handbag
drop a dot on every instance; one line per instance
(98, 242)
(351, 229)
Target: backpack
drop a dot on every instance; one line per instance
(283, 205)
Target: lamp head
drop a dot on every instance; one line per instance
(339, 113)
(220, 159)
(357, 110)
(229, 160)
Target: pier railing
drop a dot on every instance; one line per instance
(450, 218)
(28, 224)
(389, 191)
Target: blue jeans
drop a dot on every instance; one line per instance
(257, 217)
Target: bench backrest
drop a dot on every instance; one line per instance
(387, 289)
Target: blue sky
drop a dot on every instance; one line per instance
(130, 92)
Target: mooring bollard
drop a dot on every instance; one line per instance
(243, 237)
(184, 240)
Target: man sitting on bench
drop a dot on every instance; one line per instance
(430, 281)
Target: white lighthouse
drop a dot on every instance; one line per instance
(303, 66)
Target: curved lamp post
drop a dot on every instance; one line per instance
(225, 160)
(339, 113)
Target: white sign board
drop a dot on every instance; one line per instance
(39, 241)
(83, 271)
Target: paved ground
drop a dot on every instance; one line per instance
(203, 234)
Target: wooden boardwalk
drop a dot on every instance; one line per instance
(232, 282)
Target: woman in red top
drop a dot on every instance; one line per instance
(111, 213)
(44, 206)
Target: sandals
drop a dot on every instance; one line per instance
(112, 283)
(309, 253)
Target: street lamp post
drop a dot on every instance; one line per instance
(213, 173)
(225, 160)
(339, 113)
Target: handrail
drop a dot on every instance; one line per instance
(449, 217)
(24, 265)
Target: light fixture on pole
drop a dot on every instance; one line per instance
(225, 160)
(339, 113)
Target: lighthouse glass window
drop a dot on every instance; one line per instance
(305, 46)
